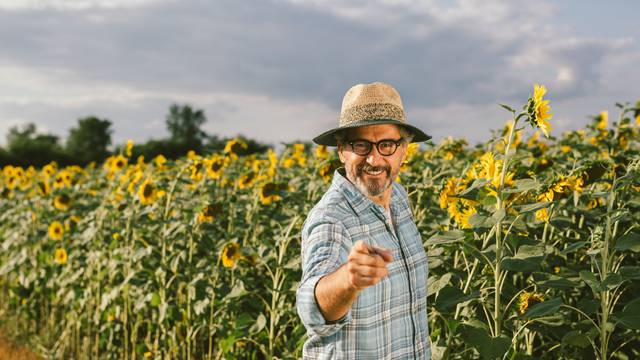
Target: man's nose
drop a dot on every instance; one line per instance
(374, 158)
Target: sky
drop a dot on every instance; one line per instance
(276, 70)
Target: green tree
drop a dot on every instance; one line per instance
(26, 147)
(89, 140)
(184, 124)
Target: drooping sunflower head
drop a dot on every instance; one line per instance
(60, 256)
(215, 166)
(246, 181)
(43, 187)
(269, 193)
(538, 110)
(230, 254)
(235, 147)
(210, 212)
(527, 300)
(62, 202)
(147, 192)
(197, 170)
(56, 230)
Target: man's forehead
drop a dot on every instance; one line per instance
(381, 131)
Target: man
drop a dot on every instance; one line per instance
(364, 282)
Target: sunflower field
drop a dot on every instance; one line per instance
(533, 241)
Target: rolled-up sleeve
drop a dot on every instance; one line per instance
(325, 247)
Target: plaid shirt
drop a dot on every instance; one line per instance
(387, 320)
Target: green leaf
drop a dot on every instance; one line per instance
(155, 299)
(573, 247)
(508, 108)
(448, 237)
(544, 308)
(629, 241)
(630, 315)
(260, 323)
(575, 338)
(532, 207)
(476, 334)
(588, 306)
(522, 185)
(237, 291)
(521, 265)
(591, 280)
(498, 215)
(449, 296)
(612, 281)
(558, 282)
(435, 286)
(630, 272)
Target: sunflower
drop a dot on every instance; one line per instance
(234, 147)
(452, 187)
(215, 166)
(71, 223)
(209, 213)
(527, 300)
(273, 163)
(247, 180)
(56, 230)
(62, 202)
(538, 110)
(160, 160)
(602, 120)
(50, 169)
(128, 148)
(60, 256)
(118, 163)
(230, 254)
(327, 169)
(197, 170)
(542, 215)
(147, 192)
(269, 193)
(43, 187)
(62, 179)
(322, 152)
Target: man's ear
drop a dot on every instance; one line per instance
(340, 155)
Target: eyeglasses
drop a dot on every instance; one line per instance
(385, 147)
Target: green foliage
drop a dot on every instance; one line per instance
(89, 140)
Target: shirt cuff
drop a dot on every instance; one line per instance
(310, 313)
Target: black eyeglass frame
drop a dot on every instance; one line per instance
(397, 144)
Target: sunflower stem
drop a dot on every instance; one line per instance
(497, 312)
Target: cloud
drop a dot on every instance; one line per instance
(256, 66)
(20, 5)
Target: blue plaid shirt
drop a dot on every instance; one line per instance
(387, 320)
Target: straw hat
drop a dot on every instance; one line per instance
(370, 104)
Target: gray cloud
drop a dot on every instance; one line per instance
(249, 64)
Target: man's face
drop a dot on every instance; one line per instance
(372, 174)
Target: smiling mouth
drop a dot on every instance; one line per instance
(373, 172)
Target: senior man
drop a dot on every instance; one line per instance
(364, 269)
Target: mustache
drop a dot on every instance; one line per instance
(366, 167)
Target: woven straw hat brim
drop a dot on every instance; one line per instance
(328, 137)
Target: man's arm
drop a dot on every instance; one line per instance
(336, 292)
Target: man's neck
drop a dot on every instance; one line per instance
(383, 199)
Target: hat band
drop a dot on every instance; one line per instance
(371, 112)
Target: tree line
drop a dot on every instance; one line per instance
(90, 141)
